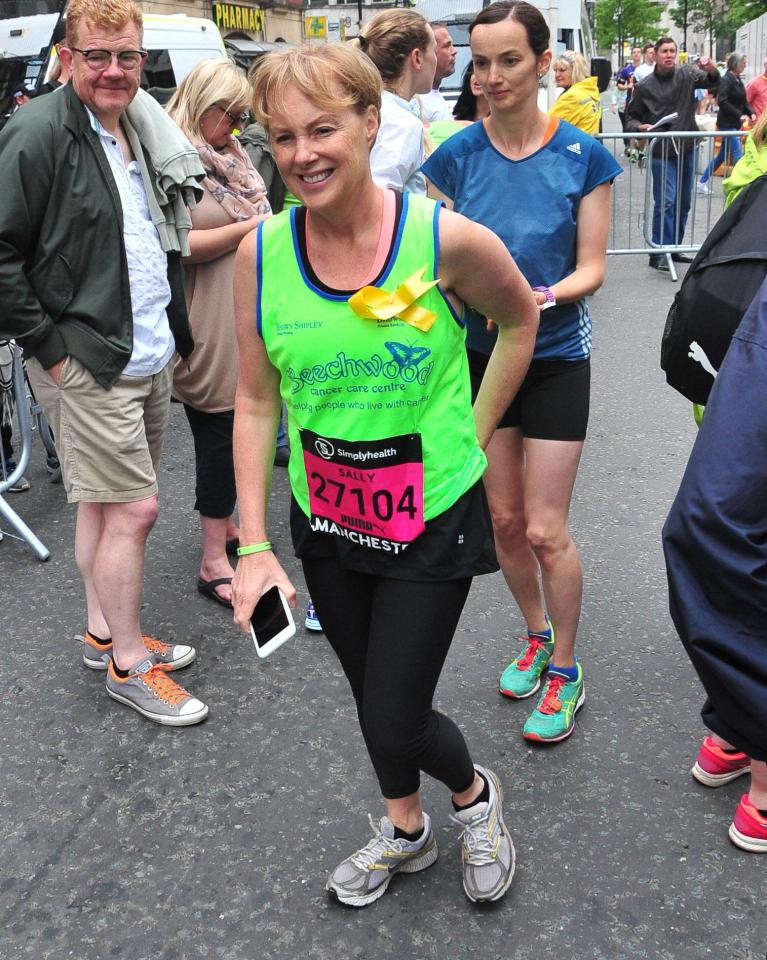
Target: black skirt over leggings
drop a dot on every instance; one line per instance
(391, 621)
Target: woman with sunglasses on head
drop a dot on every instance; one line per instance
(388, 514)
(209, 106)
(402, 46)
(543, 187)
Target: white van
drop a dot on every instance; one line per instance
(175, 44)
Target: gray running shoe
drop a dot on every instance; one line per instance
(488, 851)
(169, 656)
(364, 876)
(150, 691)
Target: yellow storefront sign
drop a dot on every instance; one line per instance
(317, 28)
(234, 16)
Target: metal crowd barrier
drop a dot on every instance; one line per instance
(633, 198)
(26, 412)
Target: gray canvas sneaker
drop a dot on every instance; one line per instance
(152, 693)
(364, 876)
(488, 851)
(169, 656)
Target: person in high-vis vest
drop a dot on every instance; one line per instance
(350, 309)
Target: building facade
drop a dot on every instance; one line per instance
(270, 20)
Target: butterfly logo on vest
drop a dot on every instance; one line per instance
(407, 357)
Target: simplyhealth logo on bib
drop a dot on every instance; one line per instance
(369, 492)
(406, 363)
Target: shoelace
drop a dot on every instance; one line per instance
(155, 645)
(477, 841)
(164, 687)
(375, 848)
(551, 702)
(525, 662)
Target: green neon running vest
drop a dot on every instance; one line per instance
(355, 379)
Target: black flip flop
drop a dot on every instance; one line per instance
(208, 589)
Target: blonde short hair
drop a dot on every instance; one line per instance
(579, 69)
(209, 83)
(331, 75)
(389, 38)
(109, 14)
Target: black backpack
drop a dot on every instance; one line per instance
(720, 284)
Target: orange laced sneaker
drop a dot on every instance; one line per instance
(97, 655)
(151, 692)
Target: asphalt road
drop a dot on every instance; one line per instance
(123, 839)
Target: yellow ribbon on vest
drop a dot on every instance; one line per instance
(373, 303)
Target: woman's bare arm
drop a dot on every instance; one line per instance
(256, 416)
(476, 266)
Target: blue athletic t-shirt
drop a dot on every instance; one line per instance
(532, 205)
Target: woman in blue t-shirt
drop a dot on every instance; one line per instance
(544, 187)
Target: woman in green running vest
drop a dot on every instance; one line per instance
(340, 312)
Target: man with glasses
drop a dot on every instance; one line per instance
(97, 303)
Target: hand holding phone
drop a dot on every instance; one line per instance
(271, 622)
(254, 575)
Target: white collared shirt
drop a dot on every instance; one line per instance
(398, 152)
(153, 343)
(435, 107)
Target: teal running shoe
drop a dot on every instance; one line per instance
(554, 716)
(522, 677)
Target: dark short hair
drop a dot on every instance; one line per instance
(466, 105)
(659, 43)
(648, 46)
(529, 16)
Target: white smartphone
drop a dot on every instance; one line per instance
(271, 623)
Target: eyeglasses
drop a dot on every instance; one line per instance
(99, 60)
(234, 118)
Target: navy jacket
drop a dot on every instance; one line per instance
(715, 542)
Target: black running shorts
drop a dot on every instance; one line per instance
(551, 404)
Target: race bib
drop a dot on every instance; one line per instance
(368, 491)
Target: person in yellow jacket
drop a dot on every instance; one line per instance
(751, 165)
(579, 103)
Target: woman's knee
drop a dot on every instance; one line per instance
(395, 737)
(548, 541)
(509, 525)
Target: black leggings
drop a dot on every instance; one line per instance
(214, 463)
(392, 637)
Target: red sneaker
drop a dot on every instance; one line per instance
(749, 828)
(714, 767)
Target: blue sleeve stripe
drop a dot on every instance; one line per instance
(435, 266)
(397, 237)
(259, 276)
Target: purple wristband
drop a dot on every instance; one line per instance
(551, 300)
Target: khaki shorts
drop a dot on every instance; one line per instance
(108, 441)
